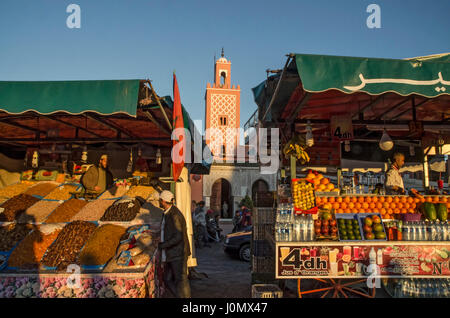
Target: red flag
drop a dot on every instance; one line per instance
(178, 152)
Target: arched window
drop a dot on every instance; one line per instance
(223, 77)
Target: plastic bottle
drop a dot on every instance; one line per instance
(380, 256)
(373, 256)
(405, 231)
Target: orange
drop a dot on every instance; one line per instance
(383, 211)
(354, 210)
(330, 186)
(324, 181)
(416, 200)
(354, 199)
(410, 200)
(404, 211)
(316, 182)
(400, 205)
(358, 206)
(310, 176)
(396, 199)
(365, 206)
(319, 200)
(324, 199)
(362, 211)
(321, 187)
(368, 199)
(327, 206)
(436, 199)
(374, 199)
(379, 205)
(444, 199)
(393, 205)
(381, 199)
(429, 199)
(389, 199)
(407, 206)
(389, 216)
(403, 199)
(361, 199)
(396, 211)
(319, 176)
(448, 205)
(347, 199)
(331, 200)
(386, 205)
(372, 206)
(344, 205)
(390, 211)
(422, 199)
(336, 206)
(351, 205)
(339, 211)
(413, 206)
(339, 199)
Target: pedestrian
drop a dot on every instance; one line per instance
(394, 182)
(246, 217)
(174, 247)
(200, 225)
(237, 219)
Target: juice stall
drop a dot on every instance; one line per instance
(340, 117)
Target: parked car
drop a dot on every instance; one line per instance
(238, 244)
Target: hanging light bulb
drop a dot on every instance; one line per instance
(412, 153)
(84, 154)
(158, 156)
(35, 161)
(386, 142)
(347, 146)
(130, 162)
(309, 135)
(139, 152)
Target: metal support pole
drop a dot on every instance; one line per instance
(426, 179)
(293, 167)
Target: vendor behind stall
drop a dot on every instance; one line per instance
(394, 181)
(98, 179)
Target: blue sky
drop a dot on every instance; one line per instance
(151, 38)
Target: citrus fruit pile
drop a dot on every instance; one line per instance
(349, 229)
(303, 193)
(387, 206)
(321, 183)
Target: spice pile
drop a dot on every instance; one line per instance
(65, 211)
(140, 191)
(15, 206)
(62, 192)
(38, 212)
(12, 234)
(42, 188)
(93, 211)
(114, 192)
(102, 245)
(29, 252)
(64, 251)
(123, 211)
(15, 189)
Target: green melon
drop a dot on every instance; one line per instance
(442, 212)
(430, 211)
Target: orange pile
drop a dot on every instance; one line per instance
(321, 183)
(387, 206)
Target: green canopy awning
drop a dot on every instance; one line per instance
(425, 76)
(74, 97)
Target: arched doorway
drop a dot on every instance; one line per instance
(260, 193)
(220, 193)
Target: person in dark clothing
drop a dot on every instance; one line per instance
(98, 179)
(174, 248)
(237, 219)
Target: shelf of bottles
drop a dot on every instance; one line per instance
(418, 288)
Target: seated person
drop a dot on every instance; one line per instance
(98, 179)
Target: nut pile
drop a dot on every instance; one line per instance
(102, 245)
(140, 191)
(42, 188)
(12, 234)
(66, 211)
(62, 192)
(38, 212)
(15, 189)
(29, 252)
(123, 211)
(65, 250)
(16, 206)
(114, 192)
(93, 211)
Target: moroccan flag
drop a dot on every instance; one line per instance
(179, 141)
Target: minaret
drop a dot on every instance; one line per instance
(222, 103)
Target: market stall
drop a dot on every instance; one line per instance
(58, 240)
(340, 239)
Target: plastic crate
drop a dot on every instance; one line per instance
(266, 291)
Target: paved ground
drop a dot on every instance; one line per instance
(228, 277)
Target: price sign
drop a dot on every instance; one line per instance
(341, 127)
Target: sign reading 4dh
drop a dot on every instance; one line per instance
(341, 127)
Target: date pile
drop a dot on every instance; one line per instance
(124, 210)
(66, 211)
(12, 234)
(16, 206)
(65, 250)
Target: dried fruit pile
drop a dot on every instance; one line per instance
(93, 211)
(114, 192)
(65, 250)
(66, 211)
(123, 211)
(38, 212)
(15, 189)
(140, 191)
(42, 189)
(12, 234)
(102, 245)
(62, 192)
(16, 206)
(29, 252)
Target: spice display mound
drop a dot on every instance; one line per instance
(122, 211)
(12, 234)
(66, 211)
(15, 206)
(42, 188)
